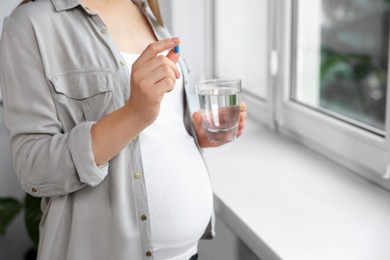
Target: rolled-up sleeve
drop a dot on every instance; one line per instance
(47, 161)
(82, 155)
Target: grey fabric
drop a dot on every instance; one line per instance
(60, 73)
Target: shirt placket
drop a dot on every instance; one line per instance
(135, 169)
(141, 200)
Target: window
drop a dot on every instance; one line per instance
(314, 70)
(241, 50)
(333, 79)
(341, 58)
(241, 47)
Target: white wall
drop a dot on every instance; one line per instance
(189, 21)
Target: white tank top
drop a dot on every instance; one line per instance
(178, 186)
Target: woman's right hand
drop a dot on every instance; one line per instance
(152, 76)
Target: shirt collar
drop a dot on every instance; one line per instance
(62, 5)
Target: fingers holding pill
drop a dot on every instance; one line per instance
(153, 75)
(174, 54)
(157, 47)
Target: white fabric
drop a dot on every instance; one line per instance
(177, 182)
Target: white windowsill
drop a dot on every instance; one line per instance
(287, 202)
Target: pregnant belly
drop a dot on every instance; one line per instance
(179, 195)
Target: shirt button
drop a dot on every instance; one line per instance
(123, 63)
(148, 253)
(137, 175)
(104, 31)
(144, 217)
(34, 190)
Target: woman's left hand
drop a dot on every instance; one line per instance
(200, 132)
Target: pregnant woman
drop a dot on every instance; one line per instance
(95, 99)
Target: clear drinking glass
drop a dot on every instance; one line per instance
(219, 102)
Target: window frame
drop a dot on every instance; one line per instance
(364, 152)
(263, 108)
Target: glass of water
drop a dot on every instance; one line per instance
(219, 101)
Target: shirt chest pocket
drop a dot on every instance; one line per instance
(82, 96)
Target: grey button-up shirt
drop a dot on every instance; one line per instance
(60, 73)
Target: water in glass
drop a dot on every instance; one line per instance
(220, 110)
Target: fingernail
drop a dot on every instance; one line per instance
(176, 39)
(176, 49)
